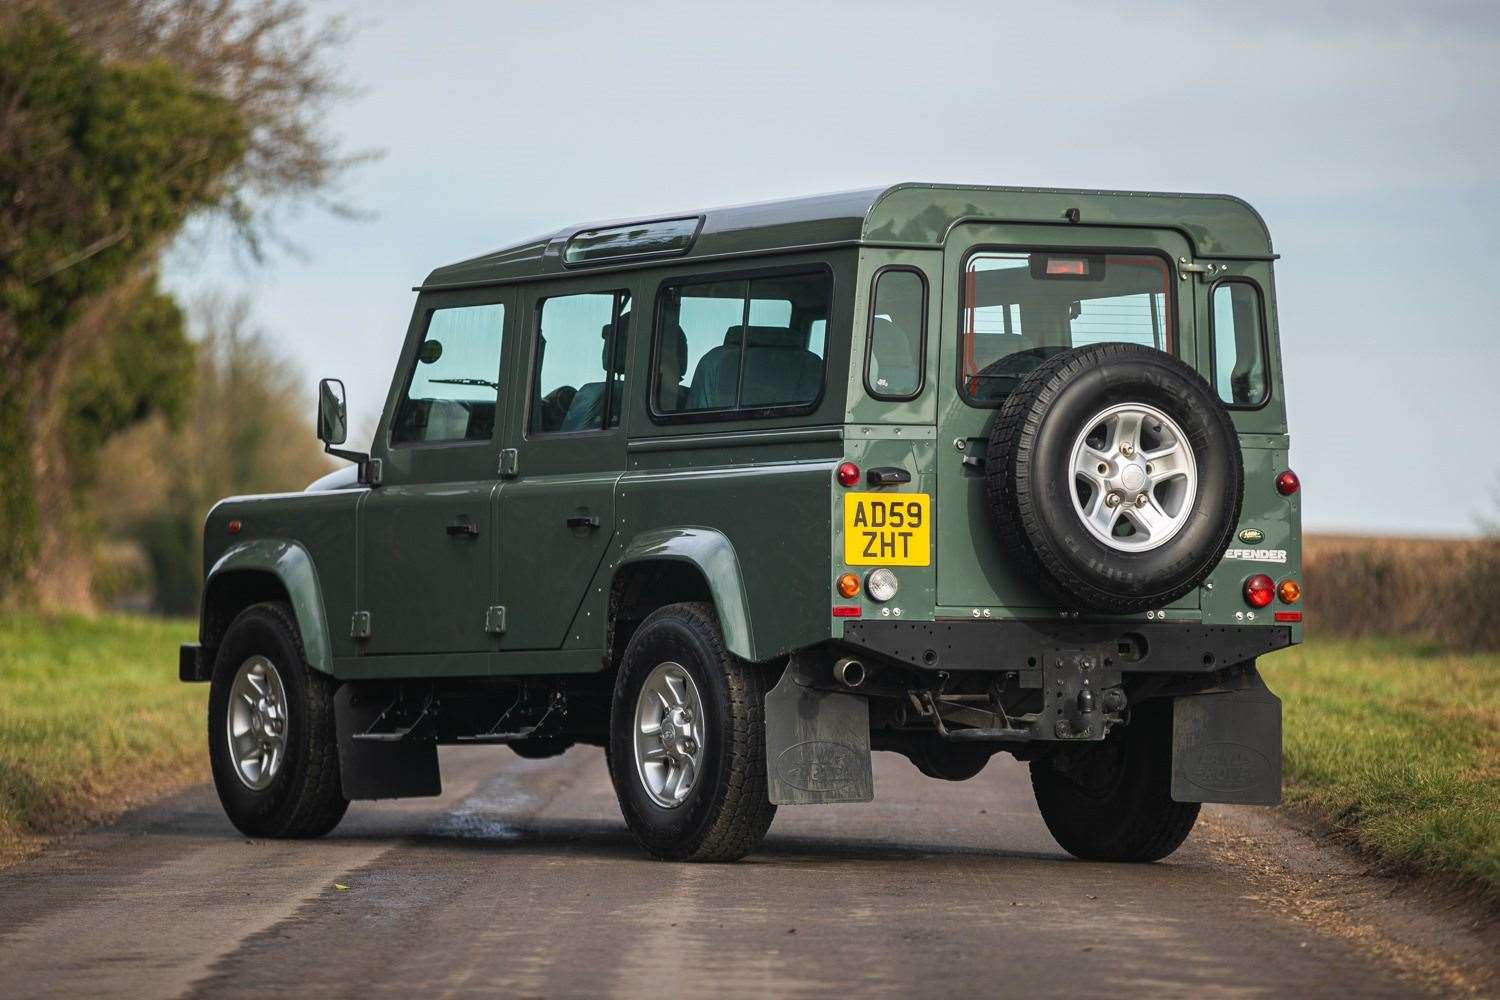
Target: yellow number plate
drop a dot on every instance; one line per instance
(887, 529)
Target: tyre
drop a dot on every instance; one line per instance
(687, 751)
(1114, 477)
(1112, 801)
(271, 735)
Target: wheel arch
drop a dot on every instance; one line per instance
(266, 570)
(667, 565)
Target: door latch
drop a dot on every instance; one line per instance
(462, 527)
(589, 521)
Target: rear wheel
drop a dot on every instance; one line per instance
(271, 735)
(687, 749)
(1112, 801)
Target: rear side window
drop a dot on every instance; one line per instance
(454, 383)
(1021, 308)
(1239, 344)
(898, 315)
(580, 366)
(741, 345)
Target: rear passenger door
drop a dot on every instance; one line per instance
(557, 501)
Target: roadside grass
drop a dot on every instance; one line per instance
(92, 719)
(1395, 746)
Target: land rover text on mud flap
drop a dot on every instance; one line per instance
(743, 495)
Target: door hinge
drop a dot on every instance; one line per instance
(1206, 272)
(510, 461)
(359, 625)
(494, 619)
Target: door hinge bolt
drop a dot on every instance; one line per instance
(494, 619)
(359, 625)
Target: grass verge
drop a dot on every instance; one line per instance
(92, 719)
(1396, 747)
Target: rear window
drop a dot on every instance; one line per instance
(1021, 308)
(1239, 344)
(742, 345)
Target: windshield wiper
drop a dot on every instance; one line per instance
(467, 381)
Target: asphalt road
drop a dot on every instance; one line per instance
(522, 880)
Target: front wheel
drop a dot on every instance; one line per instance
(687, 748)
(1112, 801)
(271, 734)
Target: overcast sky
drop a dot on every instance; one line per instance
(1366, 134)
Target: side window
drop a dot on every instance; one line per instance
(454, 385)
(898, 315)
(580, 366)
(1239, 344)
(748, 344)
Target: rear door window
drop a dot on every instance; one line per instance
(1239, 344)
(580, 366)
(1020, 308)
(735, 347)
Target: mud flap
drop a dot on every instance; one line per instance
(1226, 746)
(817, 742)
(375, 769)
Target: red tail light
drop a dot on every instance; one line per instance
(1287, 483)
(848, 474)
(1260, 590)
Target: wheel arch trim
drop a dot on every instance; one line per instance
(712, 554)
(292, 566)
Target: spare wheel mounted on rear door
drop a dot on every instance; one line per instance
(1114, 475)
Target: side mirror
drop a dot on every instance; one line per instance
(333, 428)
(333, 414)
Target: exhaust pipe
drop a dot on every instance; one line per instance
(849, 672)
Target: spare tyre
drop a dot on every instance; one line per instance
(1114, 477)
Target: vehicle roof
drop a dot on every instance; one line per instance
(911, 215)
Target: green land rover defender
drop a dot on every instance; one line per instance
(743, 495)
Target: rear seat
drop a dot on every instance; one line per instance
(779, 370)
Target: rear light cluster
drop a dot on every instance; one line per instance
(848, 474)
(1261, 590)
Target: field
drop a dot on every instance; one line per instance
(1394, 746)
(92, 718)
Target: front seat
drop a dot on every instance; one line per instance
(588, 406)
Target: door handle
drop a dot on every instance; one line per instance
(463, 528)
(588, 521)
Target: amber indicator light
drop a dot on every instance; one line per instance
(1289, 591)
(847, 585)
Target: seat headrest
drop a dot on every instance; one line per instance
(620, 343)
(765, 336)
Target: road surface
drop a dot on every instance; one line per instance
(522, 880)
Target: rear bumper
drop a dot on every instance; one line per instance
(192, 665)
(1131, 647)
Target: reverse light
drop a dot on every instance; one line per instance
(1260, 590)
(847, 585)
(880, 584)
(848, 474)
(1287, 483)
(1289, 591)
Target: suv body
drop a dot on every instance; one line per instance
(745, 410)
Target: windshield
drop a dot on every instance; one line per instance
(1021, 308)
